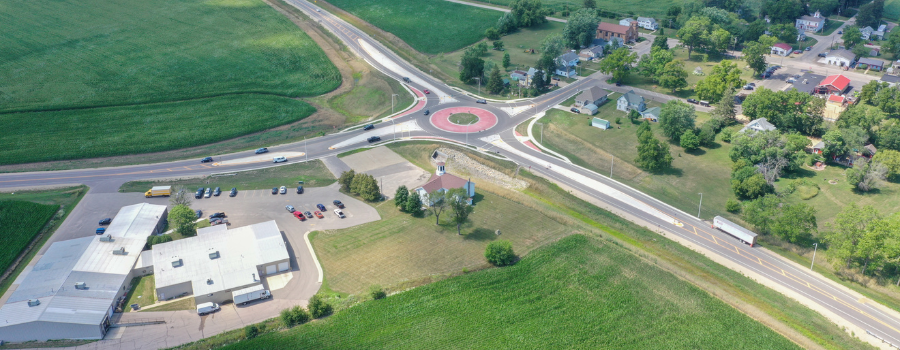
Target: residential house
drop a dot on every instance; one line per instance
(892, 80)
(593, 96)
(626, 22)
(841, 58)
(629, 101)
(814, 23)
(760, 124)
(520, 76)
(647, 23)
(651, 114)
(818, 147)
(834, 106)
(442, 181)
(606, 31)
(566, 64)
(590, 109)
(866, 33)
(871, 63)
(835, 84)
(781, 49)
(591, 53)
(600, 123)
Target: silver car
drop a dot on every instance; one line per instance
(207, 193)
(282, 190)
(289, 208)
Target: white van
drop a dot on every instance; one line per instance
(207, 308)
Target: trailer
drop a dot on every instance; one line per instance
(164, 191)
(735, 230)
(246, 295)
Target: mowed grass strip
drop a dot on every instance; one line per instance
(312, 173)
(104, 132)
(20, 221)
(576, 293)
(67, 54)
(430, 27)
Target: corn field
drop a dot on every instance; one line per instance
(19, 222)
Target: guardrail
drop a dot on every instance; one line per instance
(883, 340)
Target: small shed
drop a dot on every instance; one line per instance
(600, 123)
(818, 147)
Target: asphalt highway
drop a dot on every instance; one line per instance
(667, 219)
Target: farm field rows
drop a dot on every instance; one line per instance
(622, 302)
(103, 78)
(111, 131)
(431, 27)
(21, 222)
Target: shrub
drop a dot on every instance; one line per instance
(618, 120)
(726, 135)
(500, 253)
(299, 315)
(492, 33)
(251, 331)
(733, 205)
(153, 239)
(286, 318)
(377, 292)
(318, 307)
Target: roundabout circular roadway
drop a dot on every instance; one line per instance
(441, 119)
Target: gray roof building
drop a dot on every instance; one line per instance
(808, 82)
(73, 290)
(842, 53)
(760, 124)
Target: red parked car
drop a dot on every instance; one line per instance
(319, 214)
(299, 215)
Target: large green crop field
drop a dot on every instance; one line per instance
(576, 293)
(105, 72)
(430, 27)
(20, 221)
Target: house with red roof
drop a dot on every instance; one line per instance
(781, 49)
(606, 31)
(442, 181)
(835, 84)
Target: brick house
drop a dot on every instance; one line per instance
(628, 34)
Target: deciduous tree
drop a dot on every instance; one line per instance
(506, 62)
(672, 76)
(528, 12)
(653, 155)
(438, 201)
(723, 75)
(500, 253)
(891, 161)
(414, 204)
(662, 42)
(459, 208)
(653, 63)
(400, 197)
(851, 36)
(865, 175)
(754, 55)
(471, 66)
(346, 180)
(180, 196)
(181, 219)
(689, 140)
(618, 64)
(695, 33)
(675, 118)
(581, 28)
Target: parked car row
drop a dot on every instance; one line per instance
(320, 213)
(201, 193)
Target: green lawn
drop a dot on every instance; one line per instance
(430, 27)
(891, 10)
(313, 173)
(706, 171)
(579, 292)
(155, 72)
(371, 98)
(186, 303)
(463, 118)
(143, 292)
(111, 131)
(831, 25)
(692, 79)
(802, 45)
(515, 44)
(24, 214)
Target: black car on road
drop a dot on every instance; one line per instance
(369, 127)
(106, 221)
(233, 192)
(427, 112)
(206, 160)
(217, 192)
(217, 215)
(374, 139)
(481, 101)
(299, 189)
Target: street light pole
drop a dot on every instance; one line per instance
(305, 152)
(814, 255)
(700, 206)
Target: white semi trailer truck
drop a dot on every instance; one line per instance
(735, 230)
(249, 294)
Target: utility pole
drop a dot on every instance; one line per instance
(814, 255)
(305, 152)
(700, 206)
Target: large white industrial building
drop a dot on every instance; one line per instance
(72, 291)
(218, 261)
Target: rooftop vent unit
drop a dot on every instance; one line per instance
(209, 281)
(120, 251)
(177, 263)
(34, 302)
(214, 255)
(106, 238)
(80, 285)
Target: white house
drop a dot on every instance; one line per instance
(866, 32)
(441, 181)
(591, 53)
(647, 23)
(814, 23)
(841, 58)
(781, 49)
(566, 64)
(760, 124)
(629, 101)
(626, 22)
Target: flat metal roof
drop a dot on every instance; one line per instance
(138, 220)
(237, 254)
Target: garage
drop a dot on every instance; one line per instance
(282, 267)
(270, 270)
